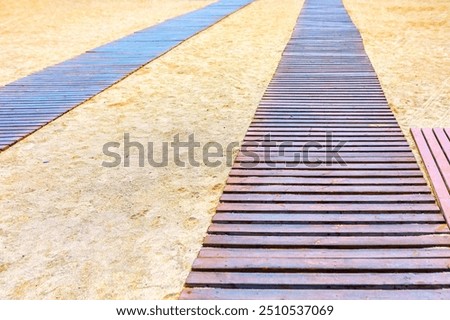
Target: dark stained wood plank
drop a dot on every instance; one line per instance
(327, 229)
(444, 141)
(327, 189)
(326, 198)
(311, 265)
(322, 172)
(353, 218)
(324, 158)
(329, 207)
(249, 294)
(303, 164)
(324, 181)
(318, 280)
(386, 242)
(325, 155)
(439, 155)
(438, 252)
(427, 153)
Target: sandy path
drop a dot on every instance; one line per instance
(35, 34)
(408, 44)
(71, 228)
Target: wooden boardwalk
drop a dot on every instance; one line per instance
(293, 224)
(31, 102)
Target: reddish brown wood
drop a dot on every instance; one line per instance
(327, 189)
(433, 146)
(292, 225)
(327, 218)
(315, 294)
(387, 241)
(438, 252)
(326, 229)
(329, 207)
(315, 280)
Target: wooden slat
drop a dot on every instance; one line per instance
(324, 181)
(333, 280)
(263, 164)
(438, 252)
(322, 172)
(327, 229)
(387, 242)
(326, 198)
(252, 294)
(333, 265)
(327, 189)
(330, 207)
(436, 162)
(238, 217)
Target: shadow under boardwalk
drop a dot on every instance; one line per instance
(333, 204)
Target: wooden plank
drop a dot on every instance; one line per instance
(321, 173)
(329, 207)
(303, 164)
(325, 129)
(444, 142)
(386, 242)
(326, 198)
(325, 154)
(258, 294)
(316, 253)
(311, 265)
(354, 218)
(440, 188)
(325, 143)
(328, 189)
(292, 157)
(442, 162)
(327, 281)
(327, 229)
(324, 181)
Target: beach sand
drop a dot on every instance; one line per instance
(408, 44)
(72, 229)
(35, 34)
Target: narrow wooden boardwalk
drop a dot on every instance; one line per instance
(31, 102)
(290, 227)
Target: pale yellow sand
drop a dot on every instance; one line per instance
(408, 44)
(72, 229)
(35, 34)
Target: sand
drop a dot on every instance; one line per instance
(408, 44)
(35, 34)
(72, 229)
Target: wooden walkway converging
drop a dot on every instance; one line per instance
(434, 147)
(297, 225)
(31, 102)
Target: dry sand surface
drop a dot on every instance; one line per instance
(408, 44)
(73, 229)
(35, 34)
